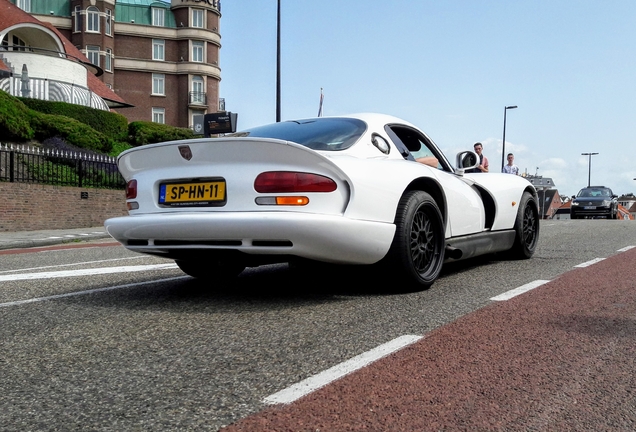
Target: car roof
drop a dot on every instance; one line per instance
(372, 118)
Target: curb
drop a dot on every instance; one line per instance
(25, 243)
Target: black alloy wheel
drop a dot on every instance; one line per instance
(417, 251)
(526, 227)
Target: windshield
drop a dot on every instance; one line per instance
(317, 134)
(595, 193)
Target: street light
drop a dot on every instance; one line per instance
(503, 149)
(278, 63)
(589, 169)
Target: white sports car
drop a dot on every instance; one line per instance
(344, 190)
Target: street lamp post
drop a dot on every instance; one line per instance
(589, 169)
(278, 63)
(503, 149)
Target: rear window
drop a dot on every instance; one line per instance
(329, 134)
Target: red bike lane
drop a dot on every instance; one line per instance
(560, 357)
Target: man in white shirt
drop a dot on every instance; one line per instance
(511, 168)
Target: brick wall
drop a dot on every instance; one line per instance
(28, 207)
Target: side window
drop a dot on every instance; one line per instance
(404, 151)
(424, 151)
(413, 145)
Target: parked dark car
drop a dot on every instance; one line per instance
(594, 201)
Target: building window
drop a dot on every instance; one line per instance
(25, 5)
(158, 49)
(78, 19)
(92, 19)
(159, 115)
(198, 94)
(108, 60)
(197, 18)
(158, 17)
(109, 22)
(16, 44)
(158, 84)
(197, 51)
(92, 53)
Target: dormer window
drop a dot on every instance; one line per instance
(158, 15)
(25, 5)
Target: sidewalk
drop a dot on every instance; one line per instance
(28, 239)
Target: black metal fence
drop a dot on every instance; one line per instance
(62, 168)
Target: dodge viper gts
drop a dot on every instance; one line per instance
(342, 190)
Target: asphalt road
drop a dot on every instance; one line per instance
(98, 338)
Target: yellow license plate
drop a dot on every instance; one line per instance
(195, 193)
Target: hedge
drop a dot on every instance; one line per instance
(15, 119)
(111, 124)
(143, 132)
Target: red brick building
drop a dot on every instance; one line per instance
(160, 58)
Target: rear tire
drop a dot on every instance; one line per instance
(417, 251)
(213, 269)
(527, 227)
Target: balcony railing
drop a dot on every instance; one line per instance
(197, 98)
(50, 75)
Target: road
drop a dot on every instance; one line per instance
(93, 337)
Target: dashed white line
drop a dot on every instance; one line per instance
(86, 272)
(79, 293)
(70, 265)
(589, 263)
(298, 390)
(519, 290)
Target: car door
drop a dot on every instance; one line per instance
(465, 207)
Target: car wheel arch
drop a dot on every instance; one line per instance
(434, 189)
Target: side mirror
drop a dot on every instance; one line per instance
(466, 160)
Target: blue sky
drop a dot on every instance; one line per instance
(450, 67)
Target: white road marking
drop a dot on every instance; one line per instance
(94, 291)
(86, 272)
(519, 290)
(589, 263)
(73, 264)
(298, 390)
(626, 248)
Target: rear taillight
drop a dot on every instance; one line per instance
(131, 189)
(292, 182)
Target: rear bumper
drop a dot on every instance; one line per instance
(325, 238)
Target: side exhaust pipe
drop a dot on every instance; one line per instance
(453, 253)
